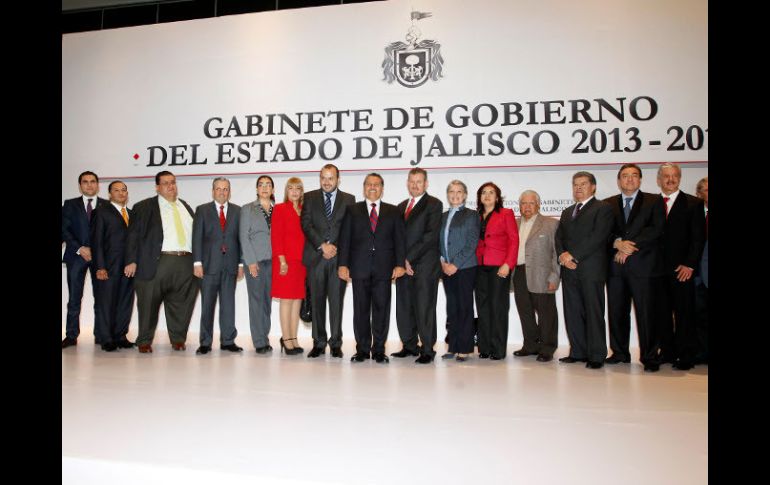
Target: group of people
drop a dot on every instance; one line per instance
(651, 249)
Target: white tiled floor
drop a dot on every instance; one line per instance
(174, 417)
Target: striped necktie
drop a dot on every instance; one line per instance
(373, 217)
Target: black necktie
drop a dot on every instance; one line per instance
(89, 209)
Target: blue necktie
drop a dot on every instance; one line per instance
(328, 205)
(627, 208)
(577, 210)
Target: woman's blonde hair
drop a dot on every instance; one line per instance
(294, 181)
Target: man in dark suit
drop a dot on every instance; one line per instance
(702, 282)
(635, 263)
(416, 292)
(581, 243)
(159, 255)
(114, 291)
(371, 252)
(216, 255)
(322, 214)
(682, 245)
(75, 228)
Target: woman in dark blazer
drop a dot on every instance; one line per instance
(457, 241)
(496, 255)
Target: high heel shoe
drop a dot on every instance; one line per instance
(289, 351)
(296, 346)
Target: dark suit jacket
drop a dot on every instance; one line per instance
(645, 228)
(75, 229)
(684, 233)
(372, 254)
(422, 234)
(586, 239)
(208, 238)
(317, 228)
(463, 238)
(108, 239)
(145, 237)
(501, 240)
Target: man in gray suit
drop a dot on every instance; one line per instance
(321, 219)
(536, 279)
(216, 254)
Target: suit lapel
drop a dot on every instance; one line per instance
(585, 208)
(535, 227)
(635, 209)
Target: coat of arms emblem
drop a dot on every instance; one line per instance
(414, 62)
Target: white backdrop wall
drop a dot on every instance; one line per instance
(131, 95)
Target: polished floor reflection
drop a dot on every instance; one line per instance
(176, 417)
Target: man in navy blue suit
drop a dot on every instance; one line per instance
(75, 228)
(114, 291)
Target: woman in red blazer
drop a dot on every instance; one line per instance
(288, 242)
(496, 253)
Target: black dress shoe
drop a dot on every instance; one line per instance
(523, 353)
(683, 365)
(614, 359)
(424, 359)
(496, 357)
(110, 347)
(360, 357)
(570, 360)
(203, 349)
(544, 358)
(380, 357)
(262, 350)
(404, 353)
(68, 342)
(316, 352)
(337, 352)
(232, 348)
(125, 344)
(483, 356)
(651, 367)
(594, 365)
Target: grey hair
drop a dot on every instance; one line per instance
(530, 192)
(219, 179)
(457, 182)
(670, 165)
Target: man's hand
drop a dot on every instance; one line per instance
(130, 270)
(448, 268)
(398, 272)
(240, 273)
(344, 273)
(198, 271)
(409, 269)
(85, 253)
(329, 250)
(566, 260)
(102, 275)
(551, 286)
(683, 273)
(620, 258)
(625, 247)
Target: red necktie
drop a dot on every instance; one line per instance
(409, 209)
(373, 217)
(665, 202)
(222, 217)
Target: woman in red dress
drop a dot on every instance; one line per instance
(288, 282)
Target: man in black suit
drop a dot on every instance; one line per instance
(702, 282)
(635, 263)
(216, 255)
(159, 255)
(416, 291)
(371, 252)
(682, 244)
(114, 291)
(322, 214)
(581, 243)
(75, 229)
